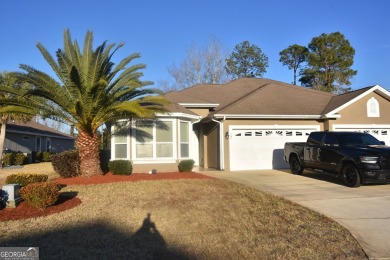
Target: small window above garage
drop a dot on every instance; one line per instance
(373, 108)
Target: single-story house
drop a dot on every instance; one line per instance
(32, 136)
(243, 124)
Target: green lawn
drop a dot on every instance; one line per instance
(181, 219)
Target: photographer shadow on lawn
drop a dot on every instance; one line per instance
(148, 239)
(100, 240)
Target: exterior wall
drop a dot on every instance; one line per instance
(60, 145)
(228, 123)
(356, 113)
(213, 149)
(160, 167)
(27, 143)
(200, 111)
(16, 142)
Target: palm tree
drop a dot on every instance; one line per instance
(90, 91)
(18, 113)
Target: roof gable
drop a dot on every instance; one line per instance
(342, 101)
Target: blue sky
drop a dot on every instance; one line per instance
(162, 31)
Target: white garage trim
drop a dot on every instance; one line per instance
(254, 147)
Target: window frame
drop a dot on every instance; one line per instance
(188, 142)
(126, 142)
(154, 141)
(373, 108)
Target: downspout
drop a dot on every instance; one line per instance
(221, 146)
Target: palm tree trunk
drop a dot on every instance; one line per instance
(89, 154)
(2, 138)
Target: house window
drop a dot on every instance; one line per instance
(38, 144)
(372, 108)
(48, 145)
(120, 140)
(154, 139)
(184, 139)
(26, 137)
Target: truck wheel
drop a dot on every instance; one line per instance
(351, 175)
(295, 166)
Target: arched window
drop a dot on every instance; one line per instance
(372, 108)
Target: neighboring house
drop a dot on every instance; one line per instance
(32, 136)
(243, 125)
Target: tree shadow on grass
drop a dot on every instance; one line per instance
(100, 240)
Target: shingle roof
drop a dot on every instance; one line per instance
(33, 127)
(253, 96)
(174, 107)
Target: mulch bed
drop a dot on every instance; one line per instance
(25, 211)
(65, 202)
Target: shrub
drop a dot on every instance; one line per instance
(8, 158)
(40, 195)
(66, 164)
(120, 167)
(46, 156)
(36, 156)
(24, 179)
(186, 165)
(19, 159)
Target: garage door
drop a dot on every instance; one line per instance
(380, 132)
(261, 147)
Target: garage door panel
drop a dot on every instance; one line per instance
(262, 148)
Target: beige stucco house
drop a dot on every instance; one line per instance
(243, 125)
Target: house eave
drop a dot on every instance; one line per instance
(233, 116)
(40, 134)
(199, 105)
(178, 114)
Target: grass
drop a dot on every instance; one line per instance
(44, 168)
(181, 219)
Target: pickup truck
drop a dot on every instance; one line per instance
(355, 157)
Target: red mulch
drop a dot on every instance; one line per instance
(24, 211)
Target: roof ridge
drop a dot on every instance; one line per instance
(194, 97)
(243, 97)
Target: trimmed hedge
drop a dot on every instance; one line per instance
(120, 167)
(8, 159)
(186, 165)
(46, 156)
(40, 195)
(23, 179)
(66, 164)
(20, 159)
(14, 159)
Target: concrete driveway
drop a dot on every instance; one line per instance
(364, 211)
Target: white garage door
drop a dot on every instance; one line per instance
(380, 132)
(261, 147)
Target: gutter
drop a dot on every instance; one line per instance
(249, 116)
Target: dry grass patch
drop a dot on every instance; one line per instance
(181, 219)
(42, 168)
